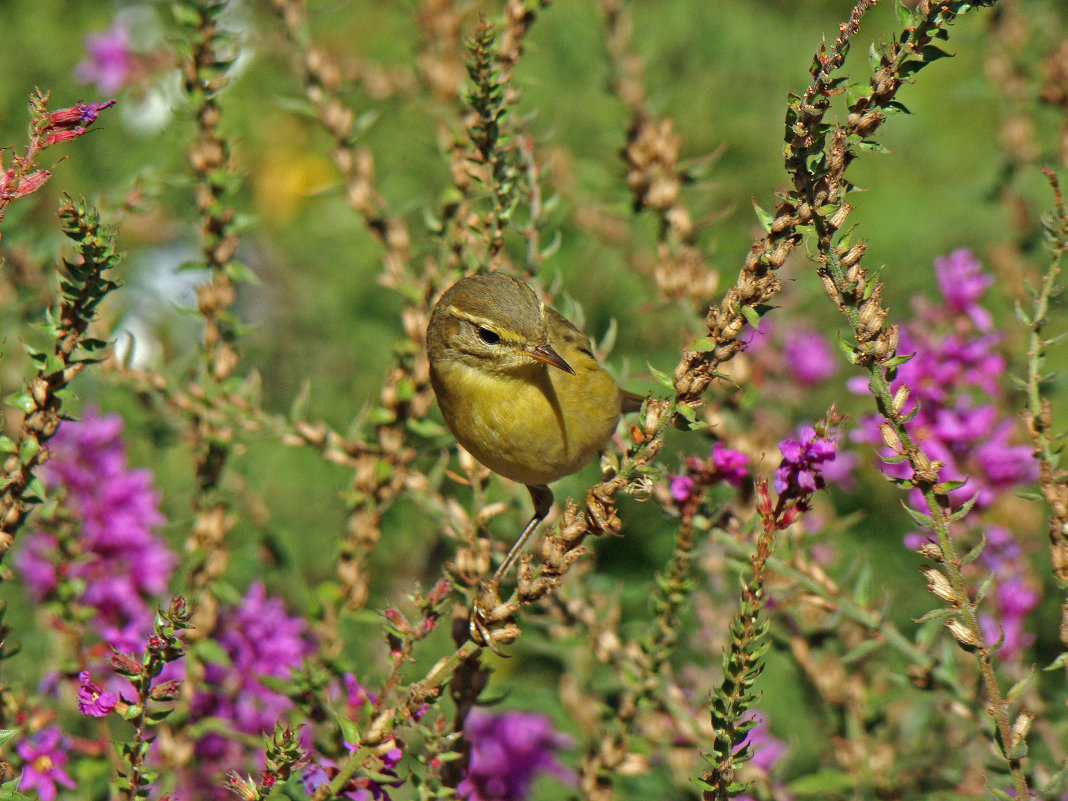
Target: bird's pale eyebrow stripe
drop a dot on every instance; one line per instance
(482, 322)
(471, 318)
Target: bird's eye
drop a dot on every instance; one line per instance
(489, 337)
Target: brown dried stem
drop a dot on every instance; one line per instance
(653, 172)
(204, 77)
(758, 282)
(859, 296)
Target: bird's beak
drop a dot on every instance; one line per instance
(546, 355)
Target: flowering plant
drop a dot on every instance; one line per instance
(827, 557)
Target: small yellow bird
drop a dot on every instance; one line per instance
(519, 387)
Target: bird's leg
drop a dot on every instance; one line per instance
(542, 497)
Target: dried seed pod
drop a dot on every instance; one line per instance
(901, 397)
(965, 636)
(938, 584)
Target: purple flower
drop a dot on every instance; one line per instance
(44, 760)
(723, 465)
(507, 752)
(36, 562)
(1001, 552)
(730, 465)
(123, 565)
(110, 60)
(356, 694)
(957, 399)
(261, 640)
(681, 488)
(360, 788)
(92, 700)
(768, 751)
(962, 283)
(81, 115)
(801, 471)
(809, 357)
(1013, 602)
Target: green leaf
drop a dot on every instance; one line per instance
(904, 14)
(22, 401)
(973, 554)
(208, 650)
(932, 53)
(870, 146)
(349, 730)
(661, 377)
(765, 218)
(1018, 688)
(1001, 795)
(157, 716)
(946, 487)
(935, 614)
(753, 316)
(1052, 787)
(851, 352)
(426, 428)
(241, 273)
(6, 736)
(133, 712)
(9, 791)
(299, 406)
(826, 783)
(919, 517)
(984, 588)
(1058, 663)
(860, 651)
(965, 507)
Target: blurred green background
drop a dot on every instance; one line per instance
(722, 70)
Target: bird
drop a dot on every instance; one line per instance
(519, 387)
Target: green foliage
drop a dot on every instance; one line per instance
(316, 183)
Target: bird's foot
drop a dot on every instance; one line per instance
(478, 620)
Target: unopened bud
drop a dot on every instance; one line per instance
(397, 620)
(167, 691)
(125, 665)
(31, 183)
(1020, 728)
(439, 593)
(243, 787)
(179, 612)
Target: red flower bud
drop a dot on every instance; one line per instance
(79, 116)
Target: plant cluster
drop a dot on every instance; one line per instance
(167, 638)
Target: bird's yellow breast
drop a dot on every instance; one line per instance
(533, 426)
